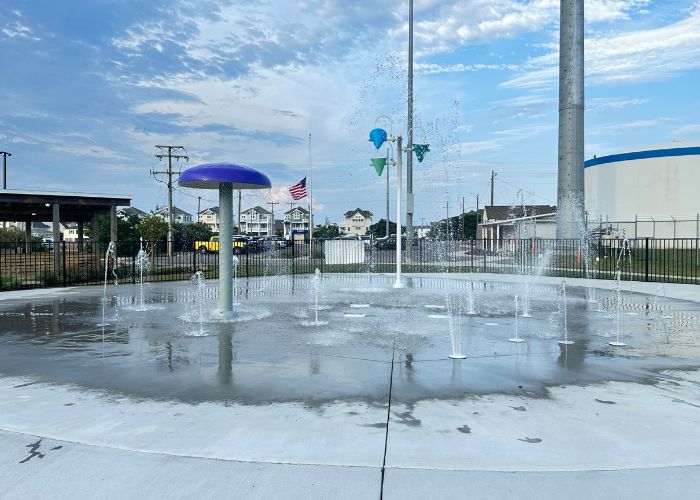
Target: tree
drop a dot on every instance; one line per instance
(378, 229)
(327, 231)
(152, 228)
(462, 226)
(126, 229)
(185, 235)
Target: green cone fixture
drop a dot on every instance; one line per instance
(420, 150)
(379, 164)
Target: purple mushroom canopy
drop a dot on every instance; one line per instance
(210, 175)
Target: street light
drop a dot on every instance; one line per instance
(4, 154)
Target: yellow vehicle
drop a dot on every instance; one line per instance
(240, 244)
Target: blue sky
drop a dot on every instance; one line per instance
(89, 88)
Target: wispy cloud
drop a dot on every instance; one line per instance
(638, 56)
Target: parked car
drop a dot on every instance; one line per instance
(389, 242)
(273, 242)
(240, 244)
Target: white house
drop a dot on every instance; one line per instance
(125, 212)
(257, 221)
(69, 231)
(179, 215)
(356, 222)
(296, 219)
(210, 217)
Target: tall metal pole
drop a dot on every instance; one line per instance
(493, 177)
(387, 196)
(311, 195)
(4, 154)
(398, 283)
(409, 138)
(570, 188)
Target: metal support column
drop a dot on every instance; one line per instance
(113, 223)
(570, 185)
(56, 237)
(226, 249)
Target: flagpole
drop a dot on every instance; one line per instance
(311, 195)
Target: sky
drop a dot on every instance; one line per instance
(88, 88)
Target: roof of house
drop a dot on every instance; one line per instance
(505, 212)
(40, 225)
(257, 209)
(300, 209)
(211, 209)
(132, 211)
(176, 211)
(365, 213)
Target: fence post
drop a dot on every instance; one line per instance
(63, 256)
(646, 259)
(133, 261)
(294, 264)
(194, 260)
(471, 256)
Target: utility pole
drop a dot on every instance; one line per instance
(272, 205)
(199, 206)
(170, 152)
(461, 222)
(493, 176)
(409, 138)
(4, 154)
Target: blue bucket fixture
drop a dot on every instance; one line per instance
(378, 136)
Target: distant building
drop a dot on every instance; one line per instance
(179, 215)
(650, 192)
(257, 221)
(41, 230)
(210, 217)
(502, 226)
(296, 219)
(125, 212)
(69, 231)
(421, 231)
(356, 222)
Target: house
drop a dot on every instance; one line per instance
(126, 212)
(257, 221)
(357, 222)
(295, 219)
(69, 231)
(41, 230)
(503, 226)
(179, 215)
(210, 217)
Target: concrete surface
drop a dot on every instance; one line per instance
(270, 406)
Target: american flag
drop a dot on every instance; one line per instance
(298, 190)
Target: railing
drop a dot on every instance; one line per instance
(33, 265)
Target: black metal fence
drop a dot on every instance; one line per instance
(32, 265)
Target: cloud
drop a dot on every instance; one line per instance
(443, 27)
(633, 57)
